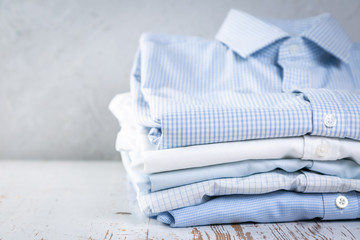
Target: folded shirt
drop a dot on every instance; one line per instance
(248, 83)
(318, 112)
(221, 95)
(146, 183)
(135, 138)
(340, 168)
(278, 206)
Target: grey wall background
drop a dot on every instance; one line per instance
(62, 61)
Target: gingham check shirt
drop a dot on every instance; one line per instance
(258, 79)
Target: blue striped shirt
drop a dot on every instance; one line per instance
(257, 79)
(278, 206)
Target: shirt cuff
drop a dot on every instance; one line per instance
(333, 212)
(335, 113)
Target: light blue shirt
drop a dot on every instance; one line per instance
(278, 206)
(341, 168)
(258, 79)
(146, 183)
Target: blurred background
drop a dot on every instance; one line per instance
(62, 61)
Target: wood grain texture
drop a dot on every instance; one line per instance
(93, 200)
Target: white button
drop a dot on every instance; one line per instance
(322, 149)
(341, 202)
(330, 120)
(294, 49)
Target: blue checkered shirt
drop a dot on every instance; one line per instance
(257, 79)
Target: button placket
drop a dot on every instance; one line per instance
(294, 49)
(296, 72)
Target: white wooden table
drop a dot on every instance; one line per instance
(93, 200)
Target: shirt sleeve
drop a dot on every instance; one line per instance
(321, 112)
(335, 113)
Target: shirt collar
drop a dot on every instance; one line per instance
(247, 34)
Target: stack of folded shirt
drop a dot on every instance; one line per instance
(261, 124)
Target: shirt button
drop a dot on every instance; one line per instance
(294, 50)
(341, 202)
(322, 149)
(330, 120)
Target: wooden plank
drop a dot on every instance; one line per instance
(93, 200)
